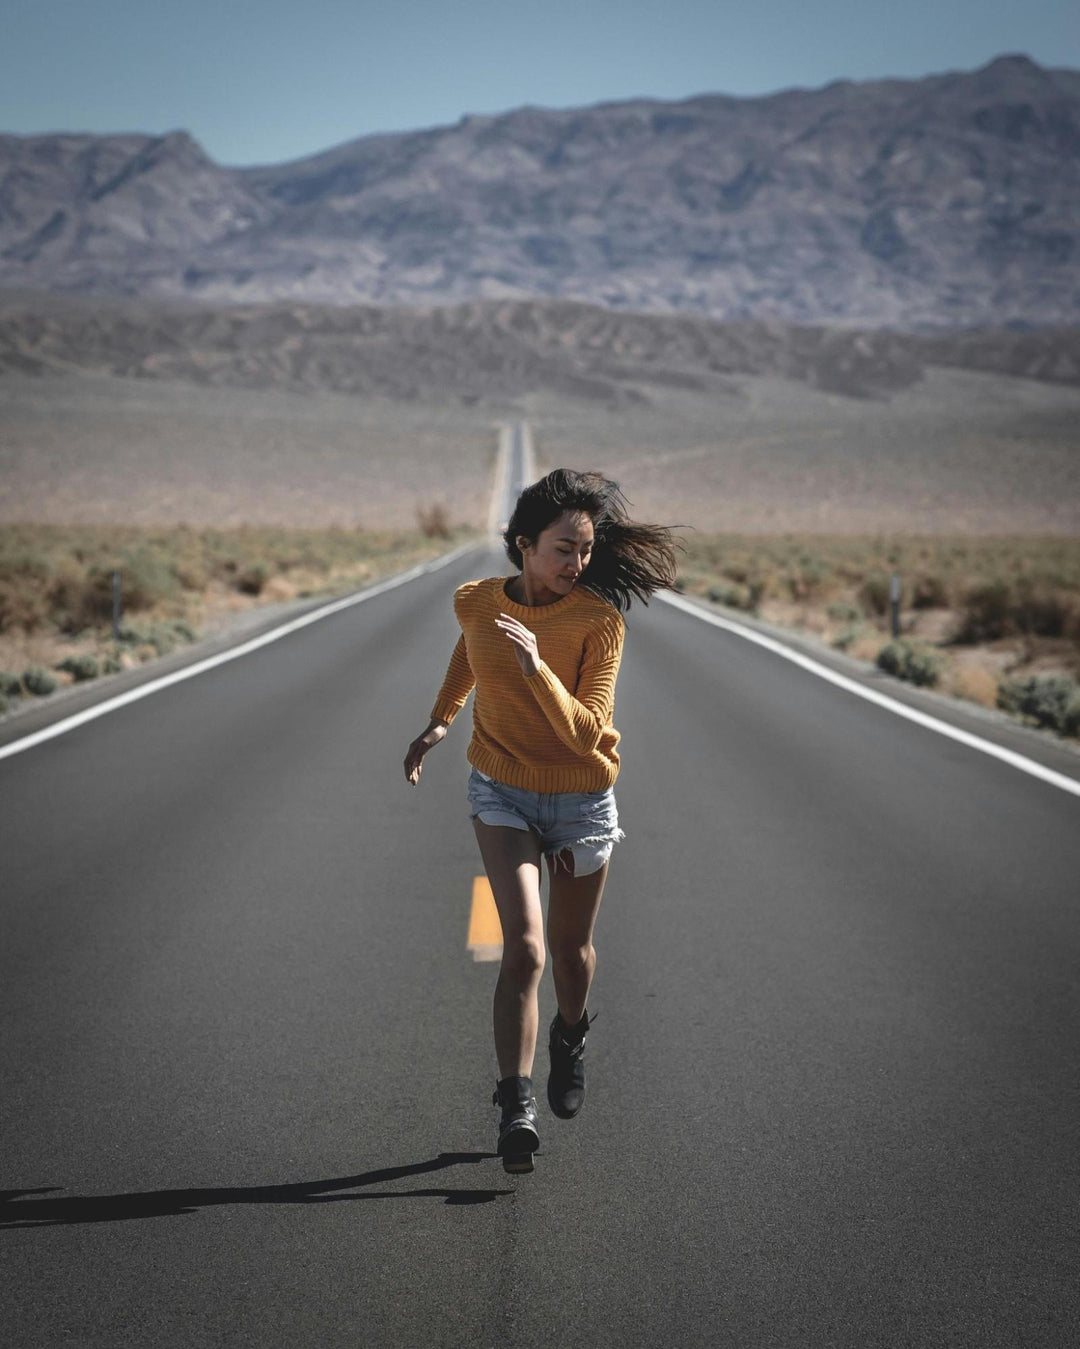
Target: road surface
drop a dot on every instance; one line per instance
(247, 1060)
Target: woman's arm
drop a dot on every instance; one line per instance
(451, 699)
(414, 759)
(455, 686)
(579, 718)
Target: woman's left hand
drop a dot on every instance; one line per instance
(524, 643)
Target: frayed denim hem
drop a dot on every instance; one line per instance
(589, 854)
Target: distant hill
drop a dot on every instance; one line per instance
(946, 202)
(491, 350)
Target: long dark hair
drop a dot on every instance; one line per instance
(629, 560)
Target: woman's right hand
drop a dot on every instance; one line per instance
(415, 758)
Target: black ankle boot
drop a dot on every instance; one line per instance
(566, 1081)
(519, 1136)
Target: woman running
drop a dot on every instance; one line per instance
(543, 649)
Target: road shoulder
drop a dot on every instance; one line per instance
(988, 724)
(30, 716)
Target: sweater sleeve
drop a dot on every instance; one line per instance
(579, 719)
(456, 685)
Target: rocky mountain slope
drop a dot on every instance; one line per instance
(951, 201)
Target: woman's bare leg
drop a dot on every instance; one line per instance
(573, 904)
(512, 862)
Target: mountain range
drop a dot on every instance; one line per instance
(949, 202)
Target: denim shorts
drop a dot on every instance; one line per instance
(585, 822)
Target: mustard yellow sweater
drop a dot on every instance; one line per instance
(550, 732)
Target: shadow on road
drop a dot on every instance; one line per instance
(18, 1208)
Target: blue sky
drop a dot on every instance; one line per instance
(263, 81)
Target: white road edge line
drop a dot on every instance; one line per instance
(498, 483)
(189, 671)
(1020, 761)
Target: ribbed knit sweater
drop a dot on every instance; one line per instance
(552, 731)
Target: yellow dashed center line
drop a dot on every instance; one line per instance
(485, 931)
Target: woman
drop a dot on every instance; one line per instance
(543, 649)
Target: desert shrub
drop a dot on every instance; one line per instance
(874, 595)
(985, 612)
(112, 665)
(808, 579)
(22, 606)
(82, 667)
(252, 579)
(39, 681)
(434, 521)
(1051, 701)
(848, 636)
(929, 592)
(163, 637)
(4, 704)
(736, 596)
(166, 636)
(843, 611)
(22, 563)
(729, 595)
(79, 599)
(10, 684)
(911, 662)
(146, 578)
(1042, 613)
(190, 570)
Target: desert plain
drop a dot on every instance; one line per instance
(958, 452)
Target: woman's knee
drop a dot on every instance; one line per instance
(567, 954)
(523, 959)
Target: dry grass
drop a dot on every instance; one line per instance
(937, 571)
(975, 684)
(994, 608)
(55, 582)
(434, 521)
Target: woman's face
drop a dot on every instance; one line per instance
(561, 553)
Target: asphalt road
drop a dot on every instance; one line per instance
(247, 1066)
